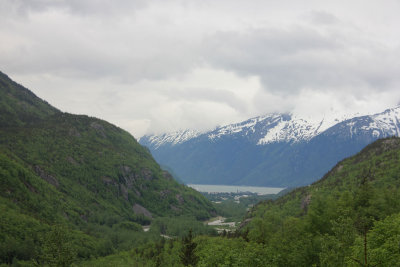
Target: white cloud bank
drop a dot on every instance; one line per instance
(154, 66)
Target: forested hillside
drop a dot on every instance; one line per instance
(351, 217)
(78, 190)
(78, 182)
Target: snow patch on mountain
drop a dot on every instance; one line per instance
(290, 128)
(282, 127)
(246, 127)
(172, 138)
(385, 123)
(299, 128)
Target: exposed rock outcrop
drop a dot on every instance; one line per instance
(47, 177)
(139, 209)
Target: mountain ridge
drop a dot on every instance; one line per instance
(317, 126)
(19, 105)
(271, 150)
(82, 176)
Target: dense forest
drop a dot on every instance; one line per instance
(76, 190)
(82, 184)
(351, 217)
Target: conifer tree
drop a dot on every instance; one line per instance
(188, 256)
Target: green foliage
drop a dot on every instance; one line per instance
(336, 246)
(188, 255)
(57, 248)
(130, 226)
(234, 210)
(219, 251)
(18, 234)
(179, 226)
(382, 246)
(75, 188)
(332, 222)
(19, 106)
(349, 218)
(121, 259)
(384, 241)
(89, 177)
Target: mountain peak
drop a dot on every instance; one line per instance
(384, 124)
(172, 138)
(273, 150)
(281, 127)
(261, 130)
(19, 106)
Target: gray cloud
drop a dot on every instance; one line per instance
(77, 7)
(288, 60)
(323, 17)
(206, 94)
(172, 64)
(72, 46)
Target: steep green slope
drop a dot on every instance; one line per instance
(19, 106)
(351, 217)
(330, 222)
(75, 153)
(80, 177)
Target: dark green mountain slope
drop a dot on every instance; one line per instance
(79, 174)
(351, 217)
(19, 106)
(348, 218)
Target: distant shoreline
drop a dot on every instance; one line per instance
(236, 189)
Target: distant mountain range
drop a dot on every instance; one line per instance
(272, 150)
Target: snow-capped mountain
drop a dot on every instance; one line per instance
(384, 124)
(272, 150)
(173, 138)
(275, 127)
(260, 130)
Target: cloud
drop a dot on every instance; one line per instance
(291, 59)
(153, 66)
(77, 7)
(322, 17)
(207, 95)
(57, 38)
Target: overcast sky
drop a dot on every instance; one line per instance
(163, 65)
